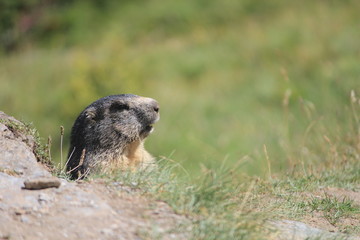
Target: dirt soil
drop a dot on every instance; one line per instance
(75, 210)
(319, 221)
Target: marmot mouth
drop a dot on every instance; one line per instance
(149, 128)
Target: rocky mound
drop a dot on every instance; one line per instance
(58, 209)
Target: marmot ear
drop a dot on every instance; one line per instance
(119, 106)
(90, 114)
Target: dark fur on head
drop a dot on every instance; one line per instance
(107, 127)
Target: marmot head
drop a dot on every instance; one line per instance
(129, 116)
(108, 127)
(114, 121)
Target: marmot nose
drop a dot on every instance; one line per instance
(155, 106)
(152, 104)
(156, 109)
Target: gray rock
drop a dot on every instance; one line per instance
(41, 183)
(294, 230)
(16, 148)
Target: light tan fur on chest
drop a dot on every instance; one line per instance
(133, 157)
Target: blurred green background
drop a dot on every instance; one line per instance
(231, 76)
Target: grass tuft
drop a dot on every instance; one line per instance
(28, 133)
(332, 208)
(211, 201)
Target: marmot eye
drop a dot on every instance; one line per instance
(116, 107)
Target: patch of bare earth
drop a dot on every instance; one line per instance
(307, 224)
(314, 224)
(345, 223)
(84, 211)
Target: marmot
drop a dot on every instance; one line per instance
(109, 134)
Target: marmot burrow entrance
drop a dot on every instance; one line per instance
(110, 133)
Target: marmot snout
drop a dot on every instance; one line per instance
(110, 134)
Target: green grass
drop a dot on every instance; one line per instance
(215, 205)
(223, 204)
(255, 99)
(332, 208)
(230, 76)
